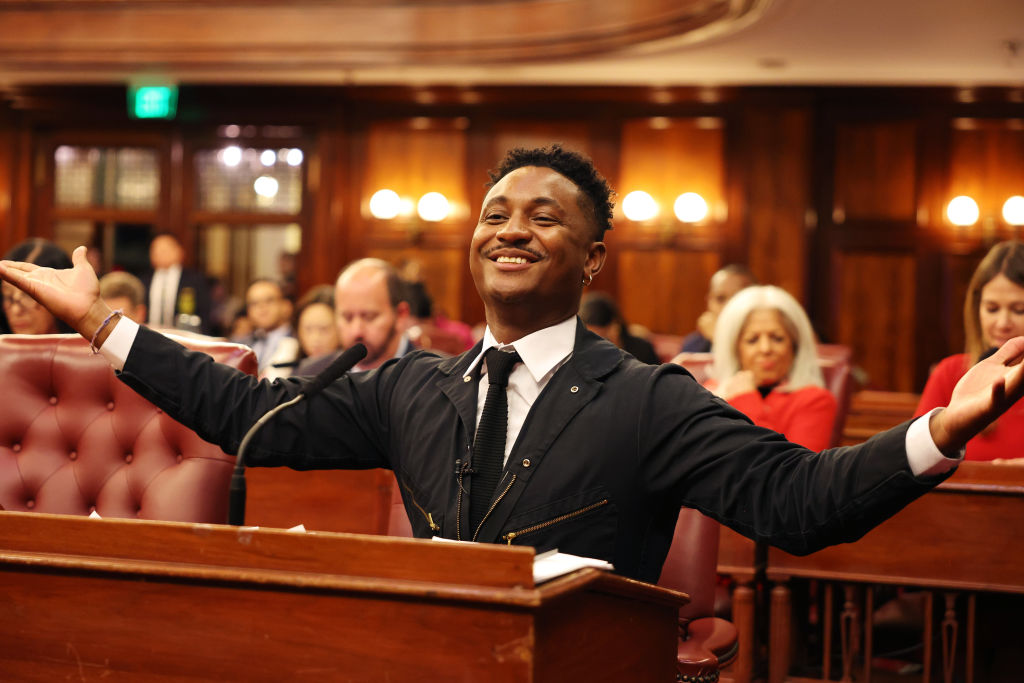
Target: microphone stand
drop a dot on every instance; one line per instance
(236, 493)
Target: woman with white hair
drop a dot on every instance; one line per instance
(765, 365)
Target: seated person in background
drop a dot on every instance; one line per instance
(371, 307)
(123, 291)
(271, 339)
(21, 314)
(316, 328)
(432, 330)
(723, 286)
(766, 365)
(601, 316)
(993, 313)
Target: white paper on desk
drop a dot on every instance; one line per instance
(551, 564)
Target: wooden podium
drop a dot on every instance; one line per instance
(109, 600)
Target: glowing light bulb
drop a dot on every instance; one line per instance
(1013, 210)
(294, 157)
(385, 204)
(962, 211)
(231, 156)
(268, 157)
(265, 186)
(690, 207)
(433, 207)
(639, 206)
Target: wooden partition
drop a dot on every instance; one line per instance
(122, 600)
(955, 542)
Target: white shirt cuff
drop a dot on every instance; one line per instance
(119, 342)
(923, 456)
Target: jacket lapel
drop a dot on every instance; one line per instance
(461, 393)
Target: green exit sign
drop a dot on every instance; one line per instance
(153, 101)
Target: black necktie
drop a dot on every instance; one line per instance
(489, 445)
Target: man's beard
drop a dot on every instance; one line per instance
(376, 354)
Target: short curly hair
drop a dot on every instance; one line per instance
(597, 199)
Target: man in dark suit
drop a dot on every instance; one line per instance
(601, 450)
(178, 297)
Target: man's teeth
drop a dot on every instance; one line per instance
(511, 259)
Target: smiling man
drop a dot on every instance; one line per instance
(579, 446)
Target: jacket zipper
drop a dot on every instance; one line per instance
(427, 515)
(512, 535)
(493, 505)
(458, 509)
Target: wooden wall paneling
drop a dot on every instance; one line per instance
(508, 134)
(876, 316)
(8, 178)
(938, 315)
(875, 173)
(605, 148)
(776, 159)
(868, 180)
(987, 164)
(664, 290)
(325, 246)
(413, 157)
(663, 266)
(666, 157)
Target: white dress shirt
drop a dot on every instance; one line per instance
(163, 292)
(543, 352)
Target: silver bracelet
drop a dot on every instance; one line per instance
(106, 321)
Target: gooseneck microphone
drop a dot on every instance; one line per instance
(341, 365)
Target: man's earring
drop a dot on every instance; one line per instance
(587, 279)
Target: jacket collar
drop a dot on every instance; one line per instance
(593, 356)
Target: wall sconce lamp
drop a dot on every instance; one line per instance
(640, 207)
(1013, 211)
(690, 207)
(433, 207)
(963, 212)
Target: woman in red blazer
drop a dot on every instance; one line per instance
(993, 313)
(766, 365)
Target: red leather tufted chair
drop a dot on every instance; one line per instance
(706, 643)
(74, 438)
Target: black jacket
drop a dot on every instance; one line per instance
(609, 452)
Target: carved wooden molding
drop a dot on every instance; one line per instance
(111, 37)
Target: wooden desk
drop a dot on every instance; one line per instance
(966, 536)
